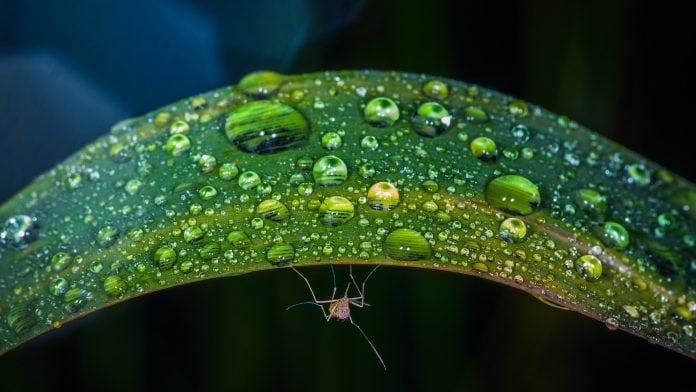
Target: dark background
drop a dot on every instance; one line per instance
(69, 69)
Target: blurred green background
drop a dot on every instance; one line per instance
(69, 69)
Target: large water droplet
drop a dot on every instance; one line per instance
(431, 119)
(249, 180)
(165, 258)
(383, 196)
(280, 254)
(21, 319)
(514, 194)
(273, 210)
(19, 231)
(260, 84)
(381, 112)
(406, 245)
(178, 144)
(589, 267)
(266, 127)
(330, 170)
(336, 210)
(614, 235)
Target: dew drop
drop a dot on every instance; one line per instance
(114, 286)
(476, 114)
(61, 261)
(514, 194)
(431, 119)
(193, 234)
(591, 201)
(273, 210)
(589, 267)
(406, 245)
(331, 141)
(513, 230)
(76, 298)
(280, 254)
(381, 112)
(21, 319)
(107, 235)
(206, 163)
(249, 180)
(238, 239)
(207, 192)
(614, 235)
(369, 143)
(330, 170)
(228, 171)
(435, 89)
(266, 127)
(484, 149)
(178, 127)
(336, 210)
(383, 196)
(518, 108)
(19, 231)
(58, 286)
(260, 84)
(178, 144)
(165, 258)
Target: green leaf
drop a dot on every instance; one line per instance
(354, 167)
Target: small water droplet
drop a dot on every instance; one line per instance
(238, 239)
(614, 235)
(114, 286)
(193, 234)
(518, 108)
(591, 201)
(178, 127)
(249, 180)
(76, 298)
(476, 114)
(228, 171)
(331, 141)
(369, 143)
(165, 258)
(431, 119)
(178, 144)
(435, 89)
(107, 235)
(260, 84)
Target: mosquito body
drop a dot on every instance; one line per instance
(339, 308)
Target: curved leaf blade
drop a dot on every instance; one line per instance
(354, 167)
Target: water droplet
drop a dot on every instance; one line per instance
(178, 144)
(336, 210)
(305, 189)
(58, 287)
(165, 258)
(260, 84)
(133, 186)
(228, 171)
(266, 127)
(369, 143)
(638, 174)
(61, 261)
(119, 153)
(521, 133)
(591, 201)
(114, 285)
(273, 210)
(330, 170)
(381, 112)
(193, 234)
(76, 298)
(178, 127)
(238, 239)
(614, 235)
(383, 196)
(406, 245)
(430, 186)
(19, 231)
(431, 119)
(435, 89)
(249, 180)
(367, 170)
(107, 235)
(484, 149)
(72, 180)
(666, 221)
(589, 267)
(513, 230)
(206, 163)
(331, 141)
(612, 324)
(21, 319)
(518, 108)
(514, 194)
(210, 250)
(280, 254)
(476, 114)
(207, 192)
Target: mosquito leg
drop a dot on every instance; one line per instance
(312, 292)
(333, 276)
(369, 342)
(361, 291)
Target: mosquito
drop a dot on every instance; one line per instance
(339, 308)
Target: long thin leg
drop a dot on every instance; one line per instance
(327, 317)
(333, 276)
(361, 291)
(369, 342)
